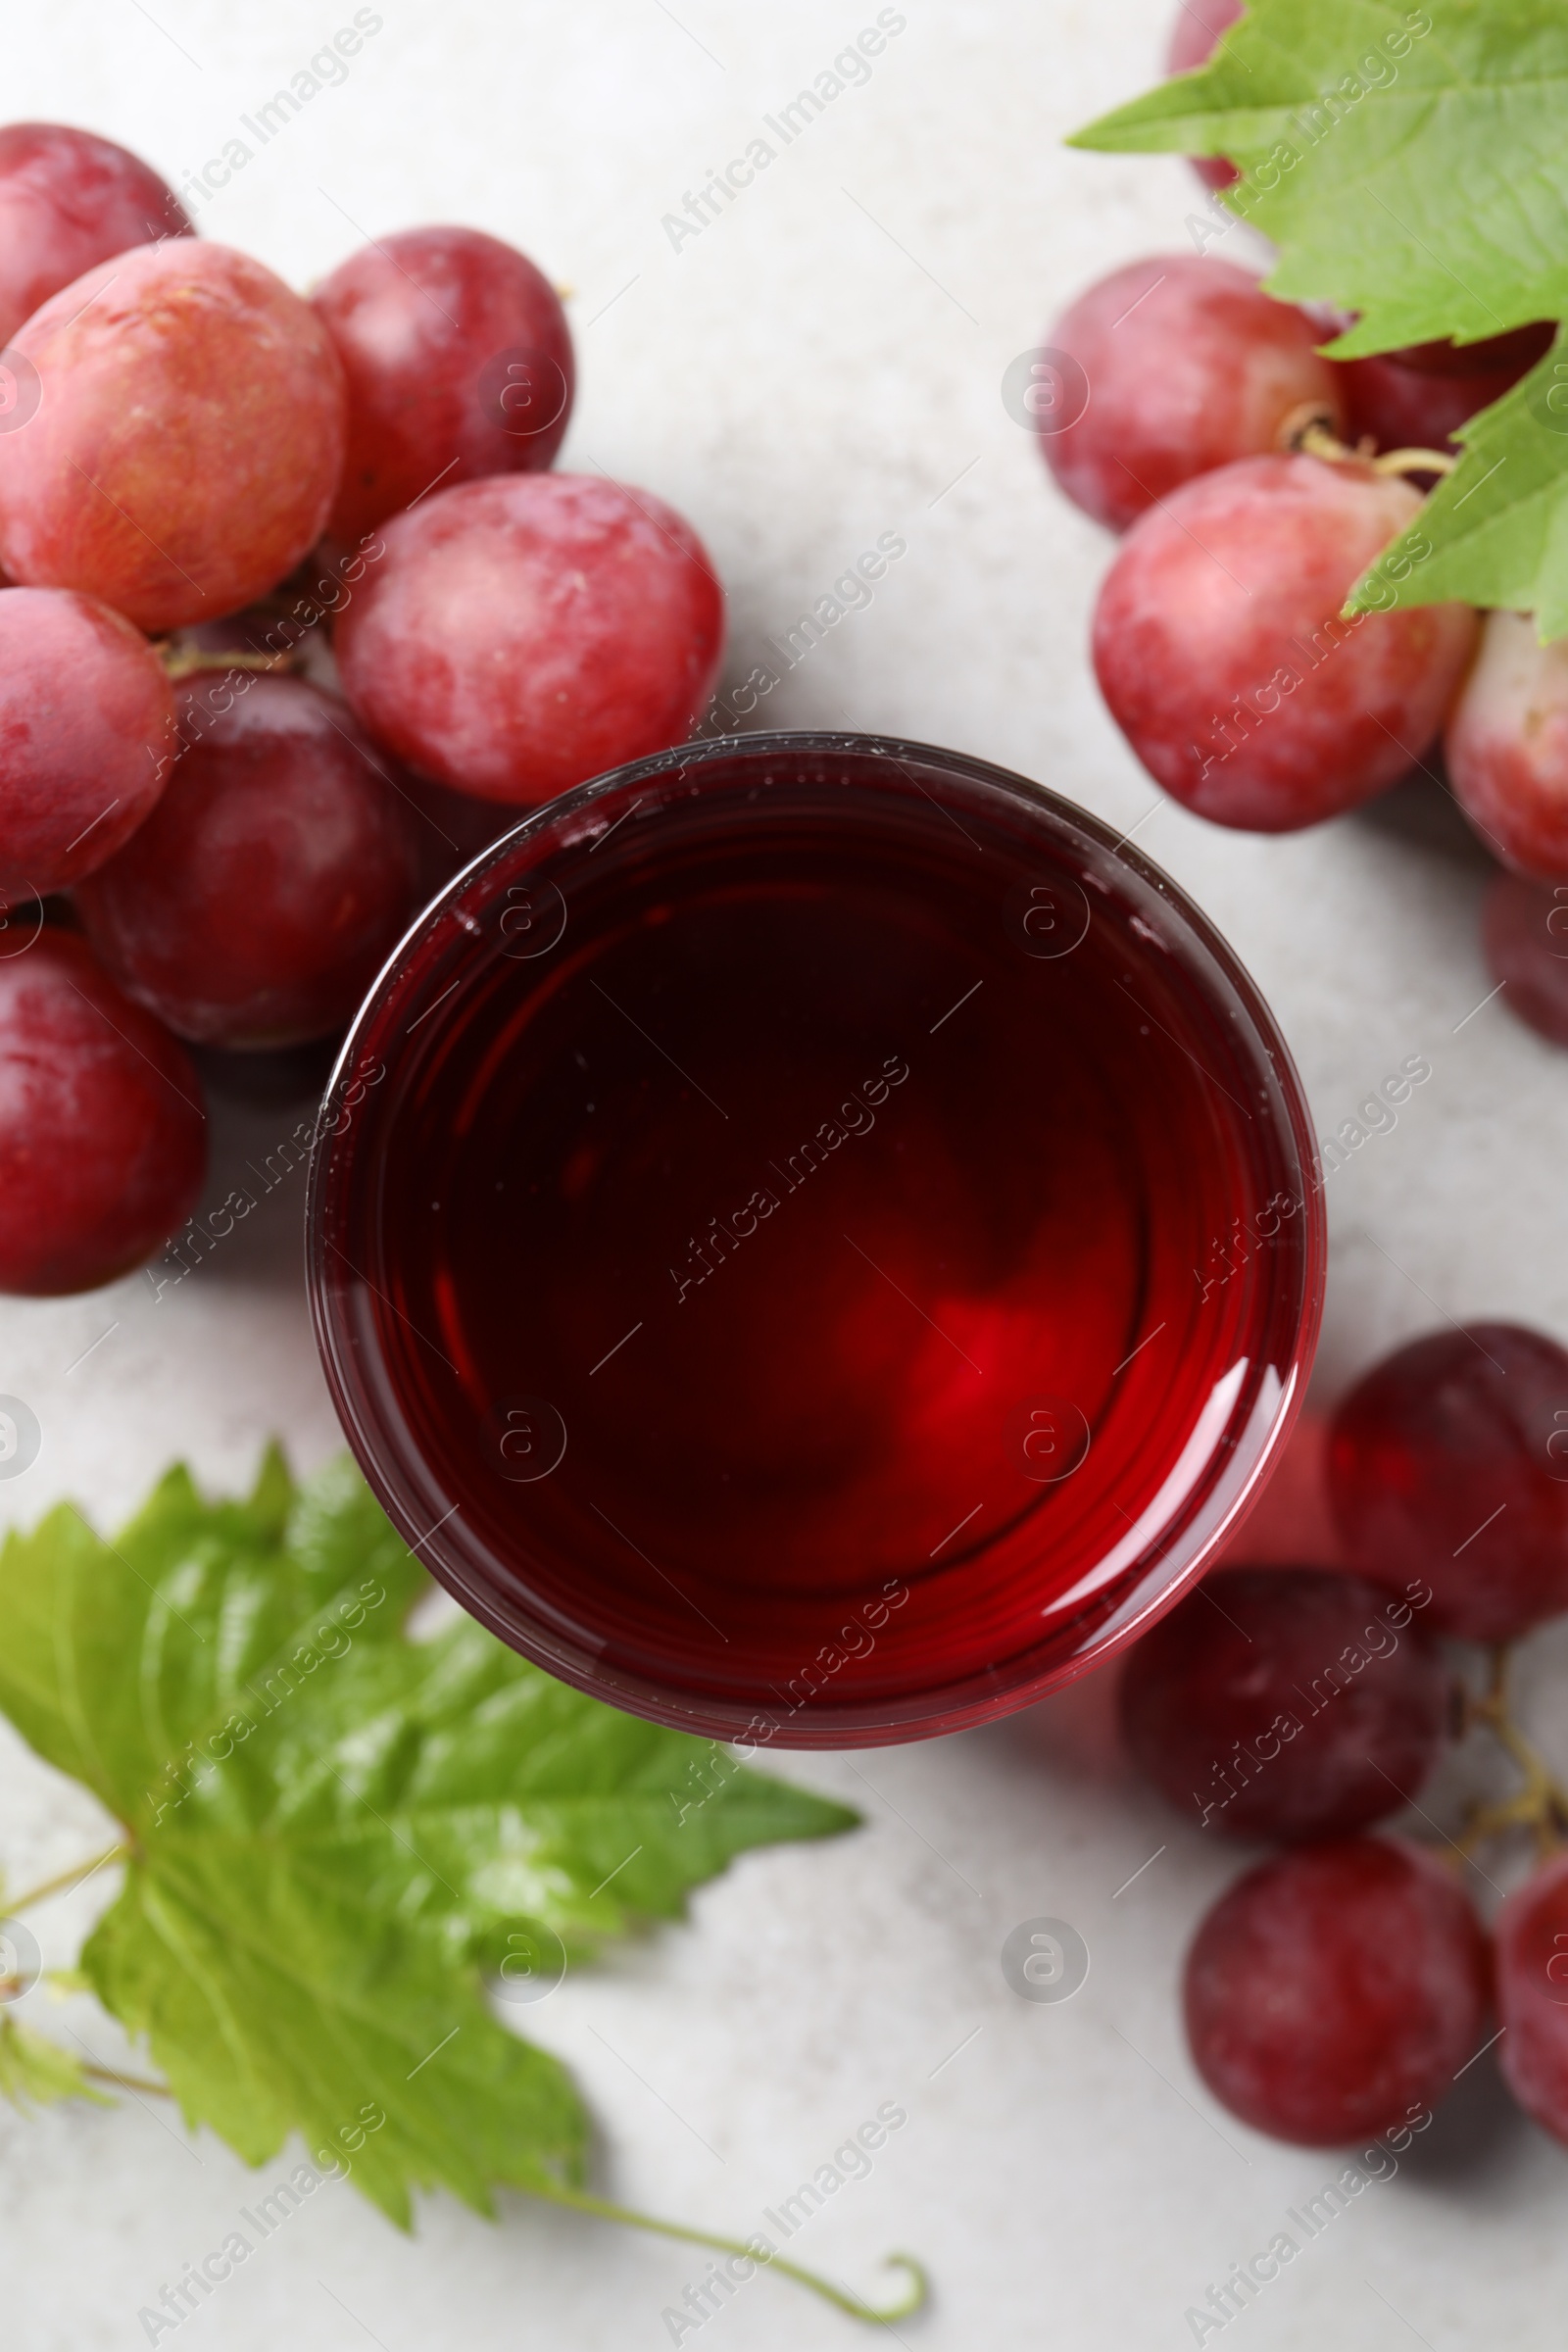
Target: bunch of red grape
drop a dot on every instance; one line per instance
(1338, 1991)
(1256, 481)
(243, 845)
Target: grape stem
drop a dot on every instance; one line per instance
(67, 1878)
(1414, 460)
(185, 661)
(840, 2298)
(1309, 430)
(10, 1987)
(1541, 1803)
(131, 2083)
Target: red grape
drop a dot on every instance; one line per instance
(69, 201)
(1449, 1463)
(1411, 400)
(261, 897)
(1187, 364)
(1507, 746)
(189, 442)
(526, 633)
(103, 1138)
(458, 363)
(1511, 355)
(1285, 1702)
(1335, 1994)
(1198, 25)
(86, 737)
(1219, 649)
(1524, 929)
(1531, 1935)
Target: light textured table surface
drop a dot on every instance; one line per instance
(821, 365)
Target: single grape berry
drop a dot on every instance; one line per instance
(1532, 1944)
(1188, 365)
(1335, 1994)
(69, 201)
(1397, 408)
(1220, 650)
(1507, 746)
(1524, 930)
(189, 441)
(86, 737)
(102, 1137)
(459, 364)
(526, 633)
(1513, 354)
(1285, 1702)
(1198, 27)
(1449, 1463)
(257, 904)
(1418, 398)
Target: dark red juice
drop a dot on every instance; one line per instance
(818, 1247)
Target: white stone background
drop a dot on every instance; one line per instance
(822, 365)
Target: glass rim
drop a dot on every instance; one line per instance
(875, 1722)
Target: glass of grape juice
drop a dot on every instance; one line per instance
(813, 1240)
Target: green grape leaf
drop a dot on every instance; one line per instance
(335, 1831)
(35, 2072)
(274, 2004)
(1411, 165)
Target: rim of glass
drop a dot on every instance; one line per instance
(929, 1714)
